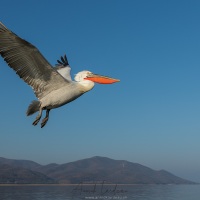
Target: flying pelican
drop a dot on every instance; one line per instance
(52, 86)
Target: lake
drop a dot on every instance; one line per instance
(100, 192)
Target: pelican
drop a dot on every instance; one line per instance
(52, 86)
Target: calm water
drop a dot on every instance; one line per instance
(119, 192)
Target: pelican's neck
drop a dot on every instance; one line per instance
(86, 85)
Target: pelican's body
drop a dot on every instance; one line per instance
(52, 86)
(64, 95)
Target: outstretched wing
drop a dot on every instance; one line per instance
(29, 63)
(63, 68)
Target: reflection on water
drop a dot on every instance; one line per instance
(120, 192)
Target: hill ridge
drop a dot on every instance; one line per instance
(96, 169)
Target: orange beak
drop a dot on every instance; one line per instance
(101, 79)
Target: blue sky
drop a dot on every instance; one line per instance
(151, 117)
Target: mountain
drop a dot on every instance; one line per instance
(97, 169)
(19, 163)
(18, 175)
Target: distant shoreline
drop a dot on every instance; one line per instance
(85, 184)
(26, 184)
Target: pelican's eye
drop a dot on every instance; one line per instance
(89, 74)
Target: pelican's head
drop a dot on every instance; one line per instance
(95, 78)
(81, 76)
(86, 80)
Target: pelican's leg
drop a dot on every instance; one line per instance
(44, 121)
(37, 119)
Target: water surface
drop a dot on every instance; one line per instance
(120, 192)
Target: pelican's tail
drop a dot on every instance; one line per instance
(33, 107)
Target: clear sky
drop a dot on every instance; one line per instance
(151, 117)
